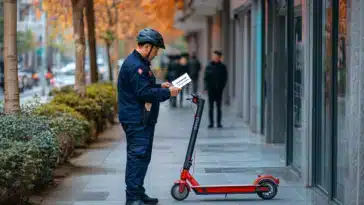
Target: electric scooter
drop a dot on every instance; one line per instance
(265, 186)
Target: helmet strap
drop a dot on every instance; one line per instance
(150, 52)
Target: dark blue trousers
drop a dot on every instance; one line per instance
(139, 152)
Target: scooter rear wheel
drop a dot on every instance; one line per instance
(177, 195)
(273, 189)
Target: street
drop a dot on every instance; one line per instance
(27, 95)
(232, 155)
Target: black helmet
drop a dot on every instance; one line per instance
(151, 36)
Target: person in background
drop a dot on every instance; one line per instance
(49, 75)
(182, 69)
(185, 64)
(215, 82)
(195, 68)
(172, 74)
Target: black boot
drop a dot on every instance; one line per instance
(148, 200)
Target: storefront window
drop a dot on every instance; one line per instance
(326, 102)
(298, 87)
(341, 98)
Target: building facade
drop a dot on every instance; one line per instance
(296, 74)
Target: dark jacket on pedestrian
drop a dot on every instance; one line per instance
(173, 69)
(136, 87)
(182, 69)
(215, 77)
(195, 68)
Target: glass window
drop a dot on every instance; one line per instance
(341, 98)
(326, 93)
(298, 74)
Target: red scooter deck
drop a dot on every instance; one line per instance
(229, 189)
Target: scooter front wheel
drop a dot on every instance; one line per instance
(177, 195)
(273, 189)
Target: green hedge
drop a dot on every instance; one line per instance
(29, 152)
(98, 107)
(65, 120)
(35, 141)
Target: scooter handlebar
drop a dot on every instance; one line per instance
(195, 98)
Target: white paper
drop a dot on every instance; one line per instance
(181, 81)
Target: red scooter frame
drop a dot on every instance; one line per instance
(265, 186)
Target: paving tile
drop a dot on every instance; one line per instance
(231, 155)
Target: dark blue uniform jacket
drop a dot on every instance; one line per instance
(137, 86)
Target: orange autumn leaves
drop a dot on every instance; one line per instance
(120, 18)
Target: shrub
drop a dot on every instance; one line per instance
(105, 96)
(29, 152)
(53, 110)
(98, 107)
(79, 130)
(66, 120)
(42, 135)
(62, 90)
(85, 106)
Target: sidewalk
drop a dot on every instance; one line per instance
(226, 156)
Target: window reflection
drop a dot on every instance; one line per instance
(341, 163)
(323, 180)
(298, 87)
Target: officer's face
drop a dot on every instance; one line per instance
(154, 53)
(145, 50)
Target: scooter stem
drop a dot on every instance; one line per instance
(196, 125)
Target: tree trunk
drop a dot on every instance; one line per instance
(116, 67)
(12, 104)
(79, 37)
(108, 47)
(90, 16)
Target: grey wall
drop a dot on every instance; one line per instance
(253, 87)
(355, 106)
(226, 25)
(246, 68)
(239, 78)
(202, 51)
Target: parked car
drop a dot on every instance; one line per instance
(32, 74)
(62, 79)
(102, 69)
(26, 79)
(21, 84)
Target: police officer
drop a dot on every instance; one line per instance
(215, 82)
(138, 100)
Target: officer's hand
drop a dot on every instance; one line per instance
(166, 85)
(174, 91)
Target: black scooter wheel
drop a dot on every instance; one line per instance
(273, 189)
(177, 195)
